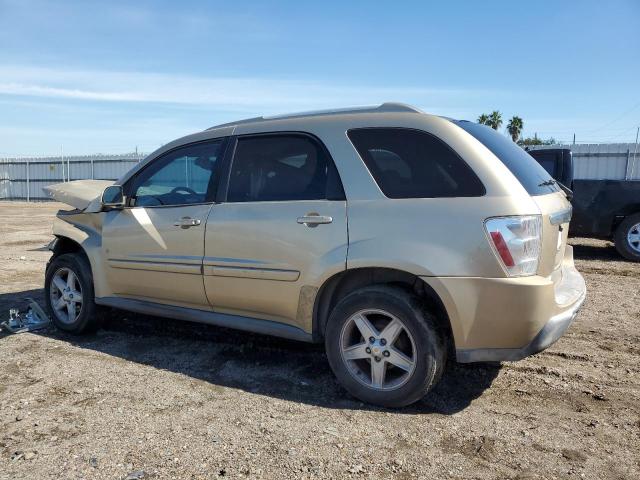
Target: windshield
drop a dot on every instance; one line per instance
(533, 177)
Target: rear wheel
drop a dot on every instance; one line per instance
(627, 238)
(69, 294)
(383, 346)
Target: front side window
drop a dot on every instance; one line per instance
(280, 168)
(408, 163)
(181, 177)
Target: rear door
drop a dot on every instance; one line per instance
(154, 247)
(281, 226)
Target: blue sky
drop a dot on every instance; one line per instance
(110, 76)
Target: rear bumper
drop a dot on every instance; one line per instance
(546, 337)
(502, 319)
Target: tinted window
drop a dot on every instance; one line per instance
(548, 162)
(533, 177)
(281, 167)
(413, 164)
(181, 177)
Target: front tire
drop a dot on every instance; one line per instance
(69, 294)
(627, 238)
(384, 347)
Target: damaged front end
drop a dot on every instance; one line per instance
(85, 195)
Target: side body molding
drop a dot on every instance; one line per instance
(238, 322)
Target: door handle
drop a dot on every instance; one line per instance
(187, 222)
(313, 219)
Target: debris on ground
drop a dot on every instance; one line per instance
(137, 475)
(33, 319)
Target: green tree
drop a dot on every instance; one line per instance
(483, 119)
(530, 141)
(514, 127)
(495, 120)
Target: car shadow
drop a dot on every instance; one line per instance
(259, 364)
(604, 251)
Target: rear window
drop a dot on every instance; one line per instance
(408, 163)
(533, 177)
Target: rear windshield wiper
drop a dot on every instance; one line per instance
(548, 183)
(552, 181)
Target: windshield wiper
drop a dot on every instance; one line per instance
(552, 181)
(548, 183)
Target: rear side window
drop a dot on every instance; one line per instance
(408, 163)
(282, 167)
(533, 177)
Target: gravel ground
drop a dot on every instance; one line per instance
(155, 398)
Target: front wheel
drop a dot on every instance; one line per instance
(69, 294)
(627, 238)
(384, 347)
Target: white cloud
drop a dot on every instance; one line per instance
(264, 95)
(92, 110)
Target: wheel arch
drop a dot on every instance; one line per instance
(81, 232)
(341, 284)
(621, 216)
(62, 245)
(627, 248)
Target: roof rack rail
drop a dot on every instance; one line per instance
(388, 107)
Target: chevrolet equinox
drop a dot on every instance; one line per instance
(399, 239)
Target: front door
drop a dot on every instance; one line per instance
(154, 247)
(281, 228)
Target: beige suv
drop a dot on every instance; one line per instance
(399, 239)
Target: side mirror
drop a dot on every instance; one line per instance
(113, 197)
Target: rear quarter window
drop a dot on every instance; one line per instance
(533, 177)
(408, 163)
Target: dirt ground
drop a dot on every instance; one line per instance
(155, 398)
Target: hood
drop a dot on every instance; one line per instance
(78, 193)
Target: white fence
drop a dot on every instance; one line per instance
(599, 161)
(23, 178)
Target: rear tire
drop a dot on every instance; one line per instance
(627, 238)
(69, 294)
(391, 369)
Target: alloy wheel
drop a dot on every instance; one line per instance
(65, 293)
(633, 237)
(378, 349)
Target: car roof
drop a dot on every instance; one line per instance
(387, 107)
(385, 114)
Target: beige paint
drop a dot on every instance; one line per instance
(77, 193)
(146, 256)
(257, 261)
(506, 312)
(258, 258)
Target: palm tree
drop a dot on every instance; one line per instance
(483, 119)
(514, 127)
(495, 120)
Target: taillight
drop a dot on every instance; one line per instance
(517, 242)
